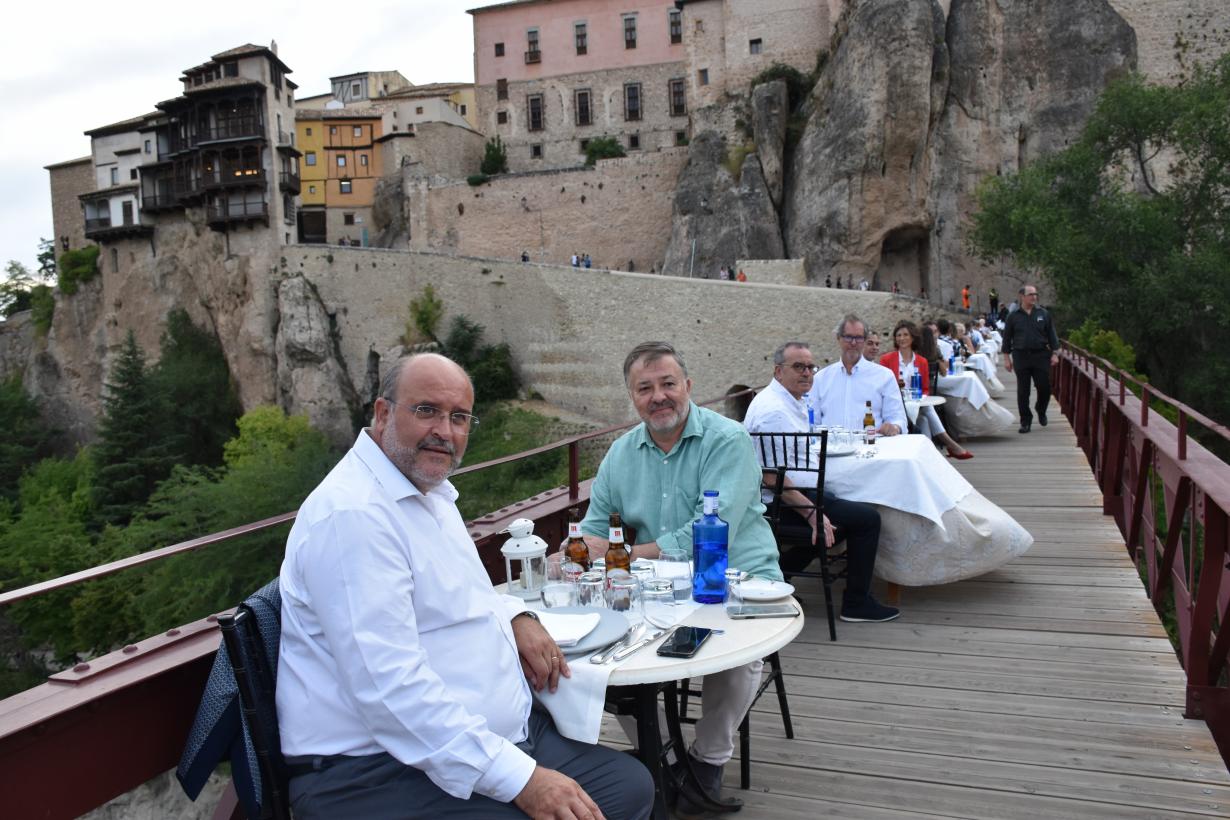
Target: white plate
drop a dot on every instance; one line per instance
(762, 589)
(611, 627)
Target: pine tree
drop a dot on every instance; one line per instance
(131, 455)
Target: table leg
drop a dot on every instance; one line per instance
(894, 594)
(649, 743)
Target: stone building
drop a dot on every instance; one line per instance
(112, 208)
(69, 180)
(341, 165)
(551, 76)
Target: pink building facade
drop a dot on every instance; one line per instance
(552, 74)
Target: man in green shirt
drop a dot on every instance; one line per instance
(654, 476)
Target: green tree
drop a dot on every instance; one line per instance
(490, 366)
(603, 148)
(495, 157)
(46, 260)
(15, 289)
(76, 267)
(26, 438)
(426, 311)
(1148, 258)
(194, 383)
(131, 455)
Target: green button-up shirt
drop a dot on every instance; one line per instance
(660, 494)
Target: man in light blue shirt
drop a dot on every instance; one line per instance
(654, 476)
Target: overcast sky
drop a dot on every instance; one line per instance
(69, 66)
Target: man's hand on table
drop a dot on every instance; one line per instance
(889, 429)
(541, 658)
(550, 795)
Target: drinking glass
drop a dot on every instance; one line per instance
(678, 568)
(623, 594)
(590, 589)
(658, 599)
(642, 570)
(559, 593)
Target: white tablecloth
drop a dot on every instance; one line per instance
(935, 528)
(981, 364)
(970, 411)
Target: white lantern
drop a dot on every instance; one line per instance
(529, 553)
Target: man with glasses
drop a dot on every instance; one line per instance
(842, 390)
(1032, 349)
(403, 677)
(780, 408)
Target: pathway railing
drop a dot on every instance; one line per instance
(1170, 497)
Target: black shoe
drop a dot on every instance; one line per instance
(691, 806)
(1042, 418)
(1024, 427)
(869, 611)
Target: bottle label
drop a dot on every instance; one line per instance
(574, 529)
(711, 505)
(616, 535)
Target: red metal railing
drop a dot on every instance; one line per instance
(1170, 497)
(110, 724)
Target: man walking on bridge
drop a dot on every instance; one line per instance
(1032, 348)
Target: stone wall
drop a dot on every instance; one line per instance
(773, 271)
(617, 211)
(1172, 34)
(434, 148)
(569, 330)
(68, 180)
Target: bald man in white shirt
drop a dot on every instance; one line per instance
(404, 678)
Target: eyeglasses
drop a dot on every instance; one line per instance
(854, 340)
(800, 368)
(429, 413)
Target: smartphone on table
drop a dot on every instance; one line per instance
(685, 642)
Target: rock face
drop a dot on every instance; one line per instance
(390, 225)
(728, 219)
(770, 104)
(312, 378)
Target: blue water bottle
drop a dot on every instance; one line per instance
(916, 384)
(811, 426)
(710, 545)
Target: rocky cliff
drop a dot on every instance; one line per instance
(913, 109)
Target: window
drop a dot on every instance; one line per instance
(702, 76)
(632, 101)
(582, 37)
(358, 130)
(634, 142)
(147, 146)
(584, 146)
(64, 242)
(581, 102)
(681, 137)
(754, 46)
(536, 151)
(345, 186)
(308, 131)
(115, 176)
(347, 219)
(230, 69)
(356, 90)
(499, 49)
(363, 160)
(418, 109)
(501, 118)
(501, 89)
(333, 130)
(630, 31)
(533, 107)
(463, 110)
(678, 99)
(531, 41)
(341, 160)
(311, 189)
(309, 158)
(674, 18)
(132, 173)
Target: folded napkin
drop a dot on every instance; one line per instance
(568, 630)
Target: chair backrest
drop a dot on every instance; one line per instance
(780, 453)
(251, 637)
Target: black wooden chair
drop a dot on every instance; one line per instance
(782, 452)
(251, 636)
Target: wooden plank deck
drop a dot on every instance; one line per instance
(1045, 689)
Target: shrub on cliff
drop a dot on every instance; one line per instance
(77, 267)
(603, 148)
(495, 158)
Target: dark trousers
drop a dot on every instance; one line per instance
(860, 524)
(376, 787)
(1035, 365)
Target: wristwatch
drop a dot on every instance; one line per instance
(531, 613)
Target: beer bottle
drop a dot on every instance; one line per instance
(869, 425)
(575, 550)
(618, 556)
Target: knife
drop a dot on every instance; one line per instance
(633, 647)
(605, 654)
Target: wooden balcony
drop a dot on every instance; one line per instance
(231, 176)
(223, 214)
(288, 181)
(233, 129)
(534, 56)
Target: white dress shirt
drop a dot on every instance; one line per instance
(946, 346)
(840, 398)
(393, 639)
(774, 410)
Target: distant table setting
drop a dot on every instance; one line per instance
(970, 411)
(912, 405)
(982, 364)
(935, 528)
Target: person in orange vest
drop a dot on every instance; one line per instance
(741, 276)
(965, 298)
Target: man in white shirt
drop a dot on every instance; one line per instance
(945, 342)
(402, 678)
(842, 389)
(780, 408)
